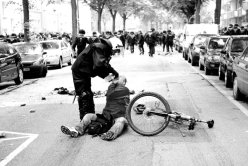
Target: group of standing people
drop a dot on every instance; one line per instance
(235, 30)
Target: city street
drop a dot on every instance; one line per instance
(31, 115)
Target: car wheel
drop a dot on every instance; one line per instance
(206, 70)
(44, 71)
(228, 80)
(236, 92)
(70, 62)
(185, 56)
(221, 75)
(60, 65)
(19, 78)
(200, 66)
(189, 59)
(192, 62)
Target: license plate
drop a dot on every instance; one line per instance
(26, 69)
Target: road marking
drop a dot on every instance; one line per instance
(231, 99)
(12, 155)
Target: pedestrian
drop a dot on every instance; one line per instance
(229, 30)
(150, 39)
(117, 100)
(80, 42)
(164, 40)
(94, 38)
(236, 30)
(141, 42)
(131, 41)
(170, 40)
(243, 31)
(93, 61)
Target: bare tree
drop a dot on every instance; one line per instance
(74, 18)
(98, 6)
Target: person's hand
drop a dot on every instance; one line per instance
(110, 77)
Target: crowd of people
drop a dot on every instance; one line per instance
(235, 30)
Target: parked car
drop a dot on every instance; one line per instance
(240, 76)
(234, 47)
(58, 52)
(190, 30)
(210, 53)
(194, 48)
(178, 42)
(10, 64)
(33, 58)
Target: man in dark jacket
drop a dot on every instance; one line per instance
(229, 30)
(151, 39)
(170, 39)
(141, 41)
(93, 61)
(80, 42)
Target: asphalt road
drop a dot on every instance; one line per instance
(32, 124)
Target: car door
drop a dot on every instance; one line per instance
(3, 62)
(63, 51)
(242, 72)
(68, 55)
(8, 64)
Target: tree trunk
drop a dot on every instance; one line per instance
(99, 26)
(124, 18)
(217, 12)
(26, 23)
(113, 18)
(74, 19)
(197, 12)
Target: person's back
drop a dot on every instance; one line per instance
(80, 42)
(117, 100)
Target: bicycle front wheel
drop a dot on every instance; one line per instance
(143, 122)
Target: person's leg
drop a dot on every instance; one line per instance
(167, 47)
(85, 122)
(142, 48)
(116, 129)
(80, 128)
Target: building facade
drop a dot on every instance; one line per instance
(234, 11)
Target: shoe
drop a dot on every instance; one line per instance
(69, 131)
(108, 136)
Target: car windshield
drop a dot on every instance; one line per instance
(49, 45)
(217, 43)
(29, 49)
(238, 45)
(200, 40)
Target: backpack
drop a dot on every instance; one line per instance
(101, 125)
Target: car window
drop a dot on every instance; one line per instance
(217, 43)
(3, 50)
(245, 54)
(49, 45)
(65, 44)
(62, 44)
(238, 45)
(29, 49)
(11, 50)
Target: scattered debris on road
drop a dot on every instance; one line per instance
(32, 111)
(43, 98)
(64, 91)
(2, 134)
(22, 105)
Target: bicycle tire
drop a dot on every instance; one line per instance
(164, 120)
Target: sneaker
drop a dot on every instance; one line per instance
(69, 131)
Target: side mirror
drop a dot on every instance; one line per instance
(202, 47)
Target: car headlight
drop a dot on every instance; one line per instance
(38, 62)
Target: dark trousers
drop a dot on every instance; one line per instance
(85, 95)
(151, 50)
(141, 48)
(169, 45)
(131, 48)
(164, 44)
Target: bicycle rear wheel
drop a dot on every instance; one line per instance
(144, 123)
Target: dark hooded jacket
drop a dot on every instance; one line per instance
(93, 61)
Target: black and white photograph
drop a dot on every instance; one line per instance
(123, 82)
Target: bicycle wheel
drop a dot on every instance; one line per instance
(144, 123)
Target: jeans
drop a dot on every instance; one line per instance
(117, 128)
